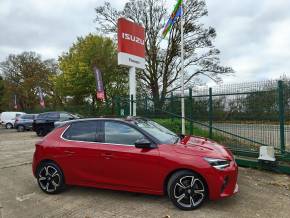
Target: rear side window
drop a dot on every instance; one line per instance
(41, 116)
(49, 116)
(27, 116)
(83, 131)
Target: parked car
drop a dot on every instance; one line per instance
(44, 122)
(24, 122)
(8, 118)
(134, 154)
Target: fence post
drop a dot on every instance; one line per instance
(190, 112)
(210, 113)
(132, 105)
(118, 106)
(281, 115)
(145, 105)
(171, 106)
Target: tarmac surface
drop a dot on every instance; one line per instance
(262, 194)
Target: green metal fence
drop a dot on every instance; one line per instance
(241, 116)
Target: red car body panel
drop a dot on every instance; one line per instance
(121, 167)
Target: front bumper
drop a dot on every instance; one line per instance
(223, 183)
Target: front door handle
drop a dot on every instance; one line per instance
(107, 155)
(69, 152)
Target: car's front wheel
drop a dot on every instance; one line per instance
(8, 126)
(186, 190)
(50, 178)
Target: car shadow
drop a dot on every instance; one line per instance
(130, 197)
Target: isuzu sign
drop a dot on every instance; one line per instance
(131, 49)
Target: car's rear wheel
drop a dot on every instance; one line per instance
(8, 126)
(186, 190)
(50, 178)
(20, 128)
(40, 132)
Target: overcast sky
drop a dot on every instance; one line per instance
(253, 36)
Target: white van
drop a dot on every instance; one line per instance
(7, 119)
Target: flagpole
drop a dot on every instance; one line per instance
(182, 73)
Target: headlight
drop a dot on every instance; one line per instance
(219, 164)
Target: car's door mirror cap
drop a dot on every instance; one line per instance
(143, 143)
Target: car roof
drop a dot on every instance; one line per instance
(28, 114)
(46, 112)
(128, 119)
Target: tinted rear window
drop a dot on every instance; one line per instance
(82, 131)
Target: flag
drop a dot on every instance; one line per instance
(99, 84)
(177, 12)
(15, 102)
(41, 98)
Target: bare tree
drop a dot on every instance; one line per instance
(163, 64)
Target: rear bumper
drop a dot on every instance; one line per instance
(34, 164)
(223, 183)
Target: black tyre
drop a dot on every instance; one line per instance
(40, 132)
(20, 128)
(50, 178)
(8, 126)
(186, 190)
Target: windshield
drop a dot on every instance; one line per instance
(165, 136)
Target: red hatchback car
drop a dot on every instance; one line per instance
(137, 155)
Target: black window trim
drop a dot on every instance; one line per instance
(148, 136)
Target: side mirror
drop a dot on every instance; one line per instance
(181, 135)
(143, 143)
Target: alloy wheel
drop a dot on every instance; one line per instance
(189, 191)
(49, 179)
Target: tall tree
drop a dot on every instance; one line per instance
(163, 64)
(1, 92)
(77, 79)
(25, 72)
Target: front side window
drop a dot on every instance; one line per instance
(53, 115)
(119, 133)
(83, 131)
(42, 116)
(65, 116)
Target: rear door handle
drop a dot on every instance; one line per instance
(69, 152)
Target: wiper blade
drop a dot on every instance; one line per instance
(177, 139)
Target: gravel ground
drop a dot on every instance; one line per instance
(262, 194)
